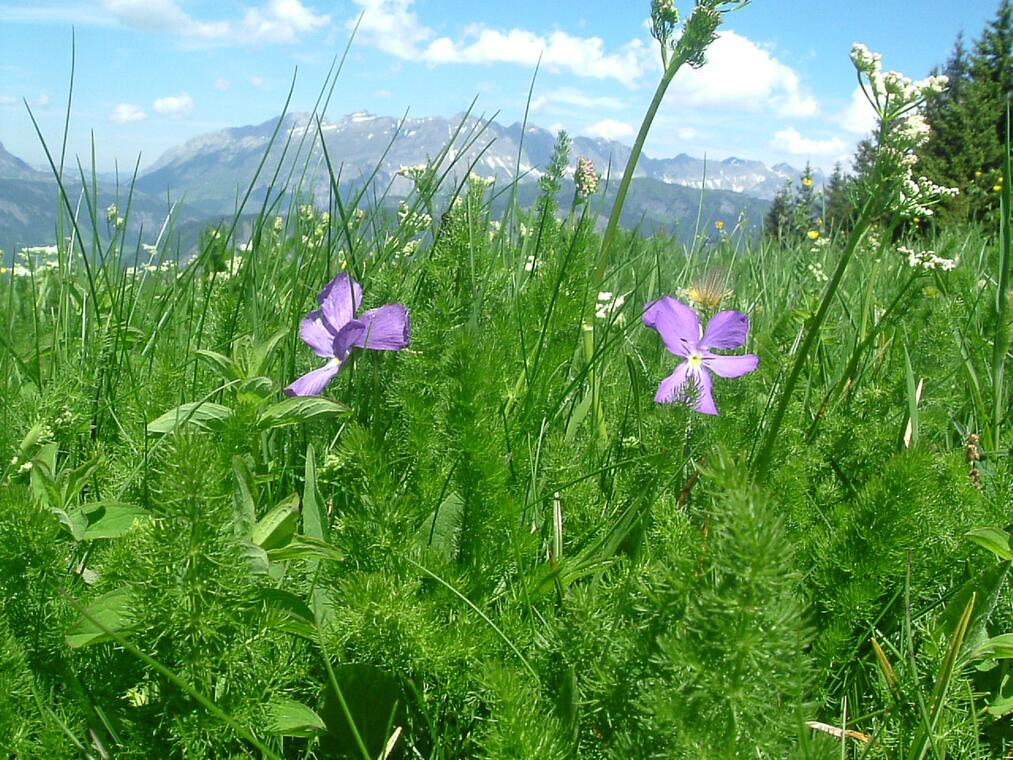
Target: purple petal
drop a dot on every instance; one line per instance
(387, 328)
(669, 389)
(688, 386)
(339, 300)
(348, 336)
(677, 324)
(314, 333)
(727, 329)
(312, 383)
(703, 398)
(731, 366)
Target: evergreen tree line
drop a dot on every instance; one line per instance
(965, 150)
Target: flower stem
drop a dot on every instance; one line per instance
(631, 165)
(812, 331)
(672, 66)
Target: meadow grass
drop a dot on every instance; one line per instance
(495, 543)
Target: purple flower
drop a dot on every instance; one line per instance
(680, 329)
(333, 330)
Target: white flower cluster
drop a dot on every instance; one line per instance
(315, 226)
(864, 59)
(413, 222)
(113, 216)
(817, 272)
(609, 305)
(892, 92)
(415, 173)
(478, 184)
(926, 260)
(165, 266)
(903, 130)
(918, 195)
(914, 129)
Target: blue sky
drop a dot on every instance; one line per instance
(150, 74)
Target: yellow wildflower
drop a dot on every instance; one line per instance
(807, 181)
(813, 234)
(719, 225)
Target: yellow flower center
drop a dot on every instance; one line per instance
(695, 360)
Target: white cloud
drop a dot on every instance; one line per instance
(859, 118)
(222, 84)
(42, 101)
(174, 106)
(610, 129)
(791, 141)
(570, 96)
(125, 113)
(686, 133)
(740, 74)
(258, 82)
(163, 16)
(583, 56)
(274, 21)
(8, 100)
(383, 93)
(282, 21)
(393, 27)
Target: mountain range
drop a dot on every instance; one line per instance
(211, 172)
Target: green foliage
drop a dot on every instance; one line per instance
(494, 543)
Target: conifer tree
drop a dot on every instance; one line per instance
(777, 223)
(838, 208)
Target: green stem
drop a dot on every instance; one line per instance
(612, 227)
(812, 331)
(624, 185)
(860, 347)
(1000, 342)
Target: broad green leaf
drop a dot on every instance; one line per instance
(47, 455)
(289, 613)
(44, 486)
(112, 611)
(299, 409)
(256, 558)
(72, 482)
(995, 540)
(276, 528)
(441, 531)
(314, 518)
(206, 416)
(223, 365)
(244, 496)
(996, 648)
(259, 387)
(259, 354)
(74, 520)
(577, 416)
(1002, 703)
(306, 547)
(286, 717)
(111, 519)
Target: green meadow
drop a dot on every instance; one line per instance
(542, 513)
